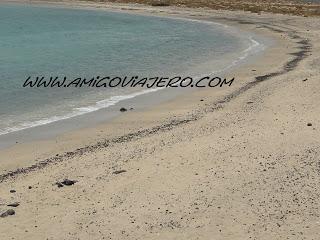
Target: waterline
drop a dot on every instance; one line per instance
(116, 97)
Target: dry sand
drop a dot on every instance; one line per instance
(241, 164)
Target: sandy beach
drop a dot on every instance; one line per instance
(231, 163)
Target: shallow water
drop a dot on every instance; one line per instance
(48, 41)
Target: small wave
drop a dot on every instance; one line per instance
(77, 111)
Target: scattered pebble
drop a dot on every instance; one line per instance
(12, 191)
(7, 213)
(66, 182)
(123, 109)
(309, 124)
(59, 184)
(15, 204)
(119, 171)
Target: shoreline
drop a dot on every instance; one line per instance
(240, 163)
(7, 151)
(19, 141)
(244, 55)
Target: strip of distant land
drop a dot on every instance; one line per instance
(293, 7)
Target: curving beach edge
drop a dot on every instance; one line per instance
(238, 163)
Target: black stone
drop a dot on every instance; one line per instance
(119, 171)
(15, 204)
(65, 182)
(68, 182)
(59, 184)
(8, 213)
(123, 109)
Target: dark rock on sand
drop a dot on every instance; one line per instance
(15, 204)
(12, 191)
(7, 213)
(309, 124)
(123, 109)
(66, 182)
(59, 184)
(119, 171)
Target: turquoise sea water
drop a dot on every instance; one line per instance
(48, 41)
